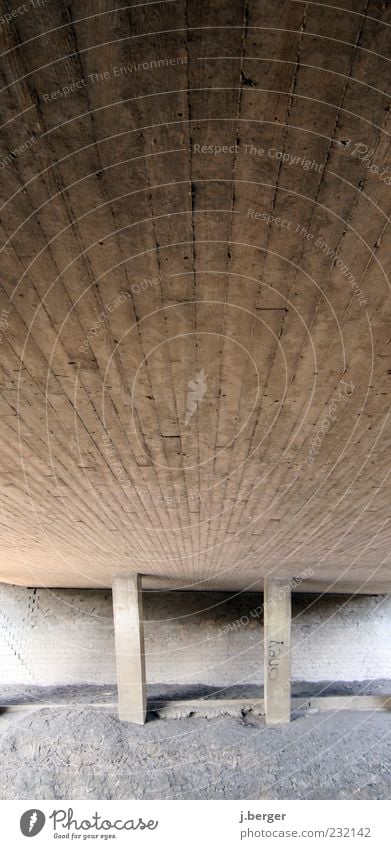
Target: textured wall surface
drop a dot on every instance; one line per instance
(194, 301)
(66, 637)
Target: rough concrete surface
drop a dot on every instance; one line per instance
(86, 753)
(195, 304)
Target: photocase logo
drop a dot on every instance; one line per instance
(32, 822)
(195, 392)
(66, 825)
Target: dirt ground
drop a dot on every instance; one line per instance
(86, 753)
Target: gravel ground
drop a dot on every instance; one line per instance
(86, 753)
(92, 693)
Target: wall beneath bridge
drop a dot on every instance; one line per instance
(51, 637)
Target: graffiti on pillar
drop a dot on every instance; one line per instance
(274, 656)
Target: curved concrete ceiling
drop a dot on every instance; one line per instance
(195, 308)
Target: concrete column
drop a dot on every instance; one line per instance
(277, 650)
(129, 648)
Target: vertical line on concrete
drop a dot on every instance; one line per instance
(277, 649)
(129, 648)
